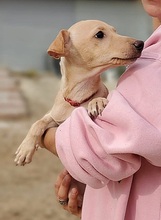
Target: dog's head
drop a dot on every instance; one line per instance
(95, 44)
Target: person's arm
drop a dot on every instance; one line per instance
(49, 140)
(109, 148)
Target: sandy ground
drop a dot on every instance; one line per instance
(26, 193)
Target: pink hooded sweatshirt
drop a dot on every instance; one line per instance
(118, 156)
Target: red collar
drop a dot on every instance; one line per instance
(77, 104)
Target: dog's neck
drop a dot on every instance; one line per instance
(81, 92)
(78, 84)
(76, 103)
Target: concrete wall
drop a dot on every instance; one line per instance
(28, 26)
(128, 17)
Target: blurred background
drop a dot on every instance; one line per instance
(29, 80)
(28, 27)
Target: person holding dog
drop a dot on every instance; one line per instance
(115, 161)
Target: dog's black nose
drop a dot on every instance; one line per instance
(139, 45)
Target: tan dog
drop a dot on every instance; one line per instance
(86, 50)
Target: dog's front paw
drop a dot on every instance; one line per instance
(24, 153)
(96, 106)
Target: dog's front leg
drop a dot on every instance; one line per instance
(32, 141)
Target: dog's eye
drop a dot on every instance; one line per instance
(100, 34)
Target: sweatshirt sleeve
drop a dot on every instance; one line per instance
(109, 148)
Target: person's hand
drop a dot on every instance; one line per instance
(69, 193)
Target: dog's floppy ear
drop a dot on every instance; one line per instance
(59, 47)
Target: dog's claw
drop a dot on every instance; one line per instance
(96, 106)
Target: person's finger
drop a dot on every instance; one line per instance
(67, 192)
(59, 180)
(64, 188)
(73, 206)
